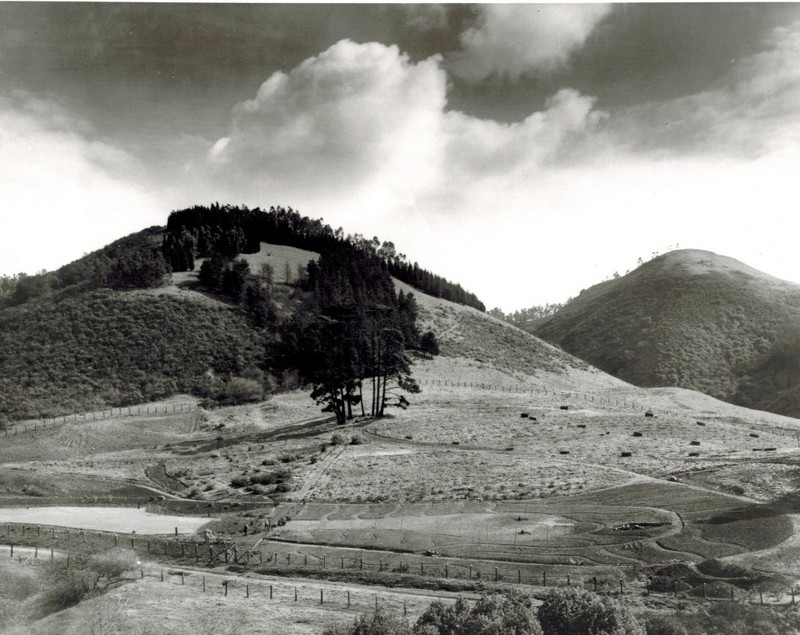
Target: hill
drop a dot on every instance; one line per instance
(691, 319)
(117, 328)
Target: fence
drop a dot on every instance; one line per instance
(376, 569)
(527, 389)
(46, 423)
(221, 585)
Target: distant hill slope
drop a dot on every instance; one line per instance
(691, 319)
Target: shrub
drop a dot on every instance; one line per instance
(268, 478)
(85, 576)
(381, 622)
(428, 343)
(439, 619)
(511, 612)
(242, 390)
(239, 481)
(580, 612)
(337, 439)
(658, 624)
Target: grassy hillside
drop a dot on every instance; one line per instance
(691, 319)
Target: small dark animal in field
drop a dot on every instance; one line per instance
(694, 442)
(637, 434)
(649, 413)
(626, 454)
(564, 407)
(524, 415)
(701, 423)
(694, 454)
(754, 435)
(581, 425)
(563, 451)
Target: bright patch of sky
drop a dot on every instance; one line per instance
(525, 151)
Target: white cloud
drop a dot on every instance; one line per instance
(363, 122)
(62, 192)
(354, 113)
(510, 40)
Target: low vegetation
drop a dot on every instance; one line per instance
(563, 612)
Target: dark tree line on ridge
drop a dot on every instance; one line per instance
(199, 231)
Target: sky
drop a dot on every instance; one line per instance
(525, 151)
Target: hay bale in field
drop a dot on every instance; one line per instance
(524, 415)
(754, 435)
(701, 423)
(637, 434)
(581, 425)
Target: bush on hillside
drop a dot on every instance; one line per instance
(84, 576)
(428, 344)
(580, 612)
(381, 622)
(242, 390)
(659, 624)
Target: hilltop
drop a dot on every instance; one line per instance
(691, 319)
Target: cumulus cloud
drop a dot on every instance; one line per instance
(363, 118)
(353, 112)
(72, 191)
(510, 40)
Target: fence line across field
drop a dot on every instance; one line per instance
(199, 555)
(46, 423)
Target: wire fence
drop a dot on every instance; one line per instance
(47, 423)
(37, 542)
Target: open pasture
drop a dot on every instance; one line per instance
(116, 519)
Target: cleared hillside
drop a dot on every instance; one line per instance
(691, 319)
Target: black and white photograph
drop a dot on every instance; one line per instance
(399, 319)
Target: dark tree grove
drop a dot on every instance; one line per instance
(348, 340)
(233, 230)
